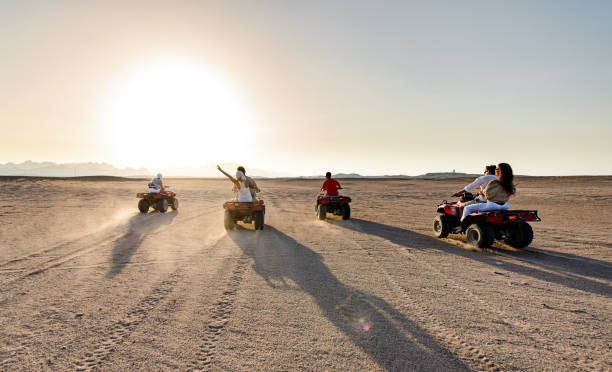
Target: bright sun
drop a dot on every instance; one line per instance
(174, 113)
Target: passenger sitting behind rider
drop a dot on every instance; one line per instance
(157, 184)
(241, 186)
(330, 185)
(496, 193)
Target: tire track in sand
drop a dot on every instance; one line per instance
(425, 316)
(555, 261)
(222, 308)
(571, 360)
(220, 311)
(120, 330)
(47, 250)
(57, 261)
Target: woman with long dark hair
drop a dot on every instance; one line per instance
(505, 177)
(496, 193)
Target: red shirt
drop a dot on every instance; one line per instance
(331, 187)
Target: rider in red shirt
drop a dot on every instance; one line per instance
(330, 185)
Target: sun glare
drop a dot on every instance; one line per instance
(174, 113)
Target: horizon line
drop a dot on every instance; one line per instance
(343, 174)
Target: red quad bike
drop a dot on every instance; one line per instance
(337, 205)
(159, 201)
(509, 226)
(245, 212)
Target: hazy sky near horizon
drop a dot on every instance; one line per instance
(303, 87)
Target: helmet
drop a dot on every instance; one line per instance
(159, 175)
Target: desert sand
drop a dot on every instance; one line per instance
(89, 283)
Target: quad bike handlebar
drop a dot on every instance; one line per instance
(465, 197)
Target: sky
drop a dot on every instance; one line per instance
(302, 87)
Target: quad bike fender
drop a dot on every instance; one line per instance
(147, 195)
(448, 209)
(244, 207)
(327, 200)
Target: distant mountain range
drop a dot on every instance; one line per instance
(50, 169)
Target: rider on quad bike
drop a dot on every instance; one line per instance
(157, 184)
(496, 193)
(481, 182)
(331, 201)
(158, 197)
(242, 185)
(483, 223)
(252, 185)
(330, 185)
(246, 207)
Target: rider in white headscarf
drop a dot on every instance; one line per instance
(252, 185)
(157, 184)
(241, 185)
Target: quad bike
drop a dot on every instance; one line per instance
(245, 212)
(158, 200)
(482, 229)
(337, 205)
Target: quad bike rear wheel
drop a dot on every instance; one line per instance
(346, 212)
(519, 234)
(321, 212)
(440, 226)
(228, 220)
(259, 220)
(480, 235)
(162, 205)
(143, 206)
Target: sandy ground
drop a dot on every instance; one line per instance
(86, 282)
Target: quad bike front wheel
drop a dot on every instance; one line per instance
(480, 235)
(143, 206)
(440, 226)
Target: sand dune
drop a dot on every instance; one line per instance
(89, 283)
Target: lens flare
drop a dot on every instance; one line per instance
(364, 324)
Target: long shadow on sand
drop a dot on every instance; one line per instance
(140, 226)
(564, 271)
(367, 320)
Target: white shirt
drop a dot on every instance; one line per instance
(158, 182)
(481, 181)
(244, 194)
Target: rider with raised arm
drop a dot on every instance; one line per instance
(242, 186)
(252, 185)
(330, 185)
